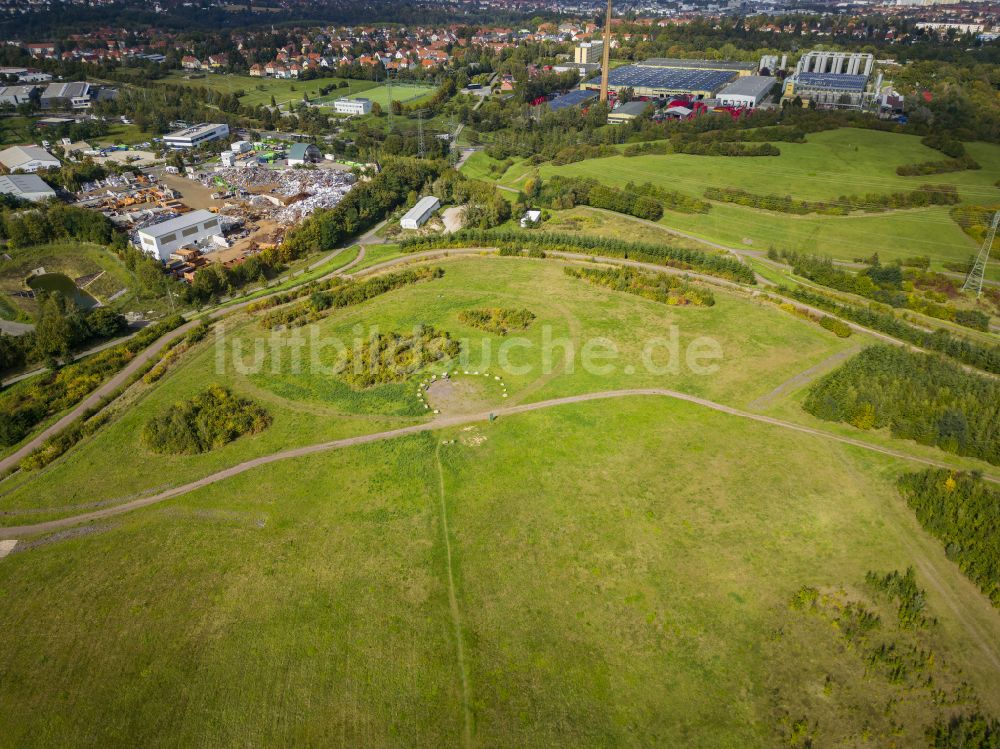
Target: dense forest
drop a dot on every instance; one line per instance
(963, 512)
(917, 396)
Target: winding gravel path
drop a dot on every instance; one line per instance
(443, 422)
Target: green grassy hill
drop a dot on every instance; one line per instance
(829, 165)
(596, 573)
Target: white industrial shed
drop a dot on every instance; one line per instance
(27, 159)
(26, 186)
(746, 92)
(159, 240)
(417, 216)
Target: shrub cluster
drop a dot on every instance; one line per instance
(963, 512)
(975, 731)
(344, 294)
(393, 357)
(512, 240)
(660, 287)
(918, 397)
(499, 320)
(671, 199)
(941, 166)
(910, 597)
(840, 328)
(925, 195)
(211, 419)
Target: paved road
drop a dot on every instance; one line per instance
(443, 422)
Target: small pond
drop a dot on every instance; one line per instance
(64, 285)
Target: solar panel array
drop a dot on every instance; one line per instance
(571, 99)
(668, 79)
(832, 81)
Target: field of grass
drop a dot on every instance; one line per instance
(379, 94)
(827, 166)
(260, 90)
(595, 574)
(761, 346)
(585, 220)
(625, 598)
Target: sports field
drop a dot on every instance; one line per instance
(405, 93)
(588, 574)
(260, 90)
(829, 165)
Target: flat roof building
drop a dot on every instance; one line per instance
(572, 99)
(627, 112)
(358, 105)
(26, 186)
(650, 80)
(826, 89)
(74, 95)
(195, 135)
(747, 92)
(164, 238)
(417, 216)
(742, 68)
(15, 95)
(27, 159)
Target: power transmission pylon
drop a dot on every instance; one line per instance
(974, 281)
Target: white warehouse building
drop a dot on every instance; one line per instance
(159, 240)
(417, 216)
(746, 92)
(195, 135)
(343, 105)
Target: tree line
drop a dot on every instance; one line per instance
(917, 396)
(567, 192)
(677, 257)
(923, 196)
(61, 327)
(981, 356)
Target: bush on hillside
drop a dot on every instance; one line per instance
(209, 420)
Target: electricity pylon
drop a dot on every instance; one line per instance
(421, 148)
(974, 281)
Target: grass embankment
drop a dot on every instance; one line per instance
(761, 348)
(826, 166)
